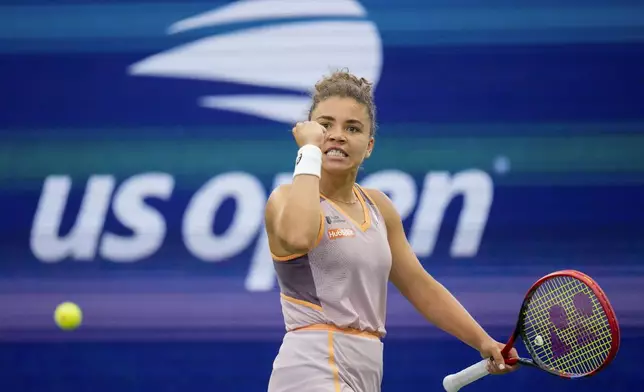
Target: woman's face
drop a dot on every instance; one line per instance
(348, 139)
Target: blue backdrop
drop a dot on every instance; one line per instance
(139, 141)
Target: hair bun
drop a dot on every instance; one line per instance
(343, 76)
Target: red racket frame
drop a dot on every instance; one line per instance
(603, 300)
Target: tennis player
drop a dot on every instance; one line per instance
(335, 247)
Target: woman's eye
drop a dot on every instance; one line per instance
(353, 129)
(326, 125)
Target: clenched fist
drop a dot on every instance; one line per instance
(309, 132)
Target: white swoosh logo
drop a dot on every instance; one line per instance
(269, 56)
(257, 10)
(290, 56)
(282, 108)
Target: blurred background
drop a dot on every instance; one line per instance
(139, 141)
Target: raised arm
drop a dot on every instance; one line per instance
(292, 215)
(429, 296)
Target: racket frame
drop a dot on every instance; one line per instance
(606, 307)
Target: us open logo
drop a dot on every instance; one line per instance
(283, 45)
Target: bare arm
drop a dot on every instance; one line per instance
(427, 295)
(293, 216)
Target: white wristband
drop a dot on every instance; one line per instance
(309, 161)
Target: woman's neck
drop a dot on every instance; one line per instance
(338, 187)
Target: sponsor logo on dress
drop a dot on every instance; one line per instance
(334, 234)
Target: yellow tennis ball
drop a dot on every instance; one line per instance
(68, 316)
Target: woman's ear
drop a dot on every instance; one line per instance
(370, 148)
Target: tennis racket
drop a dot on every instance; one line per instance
(567, 326)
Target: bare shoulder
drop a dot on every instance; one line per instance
(384, 204)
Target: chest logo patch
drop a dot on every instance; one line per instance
(340, 233)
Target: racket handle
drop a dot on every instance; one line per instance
(456, 381)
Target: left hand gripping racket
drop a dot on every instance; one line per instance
(567, 326)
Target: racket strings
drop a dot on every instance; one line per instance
(580, 354)
(567, 341)
(585, 359)
(566, 327)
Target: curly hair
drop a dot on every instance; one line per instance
(344, 84)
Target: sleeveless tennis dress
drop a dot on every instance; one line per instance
(334, 304)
